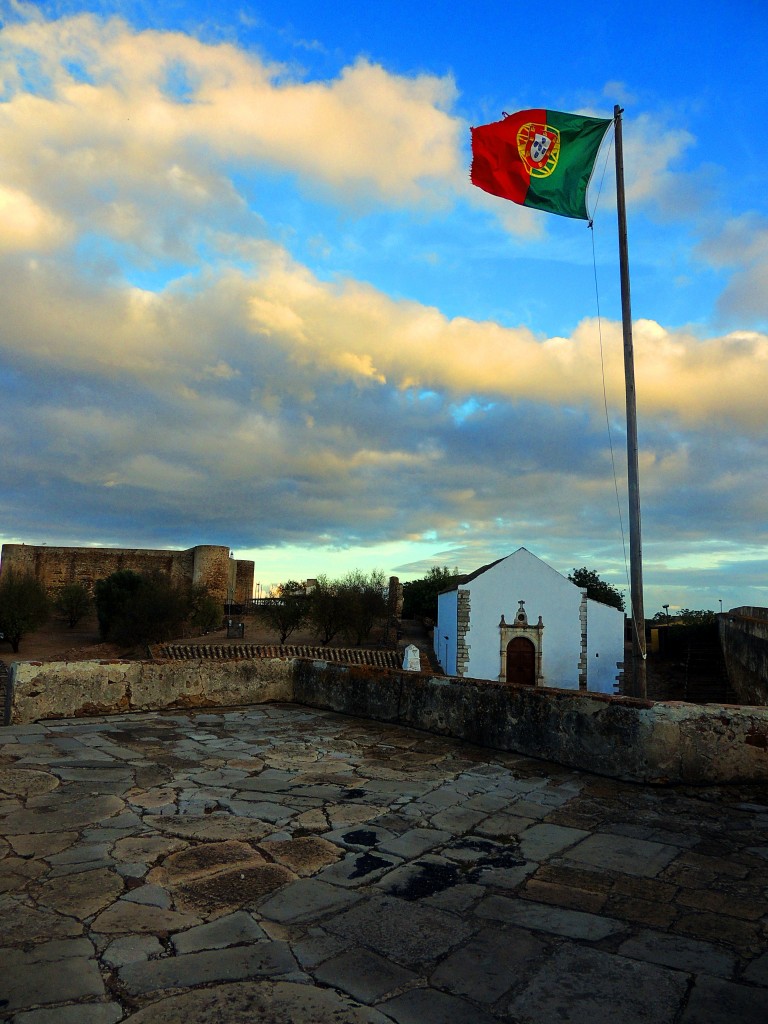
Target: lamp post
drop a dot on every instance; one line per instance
(721, 604)
(666, 609)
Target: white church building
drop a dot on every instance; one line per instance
(520, 621)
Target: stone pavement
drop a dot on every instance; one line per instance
(276, 864)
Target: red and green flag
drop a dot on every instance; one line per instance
(539, 158)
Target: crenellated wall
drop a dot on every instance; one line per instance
(55, 567)
(633, 740)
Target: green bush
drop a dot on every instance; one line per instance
(137, 609)
(24, 606)
(73, 602)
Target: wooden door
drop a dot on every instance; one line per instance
(521, 662)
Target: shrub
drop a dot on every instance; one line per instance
(24, 606)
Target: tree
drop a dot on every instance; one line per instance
(135, 609)
(113, 596)
(24, 606)
(420, 596)
(326, 610)
(696, 617)
(597, 589)
(286, 612)
(685, 617)
(363, 603)
(73, 601)
(205, 612)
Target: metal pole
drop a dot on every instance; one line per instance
(639, 687)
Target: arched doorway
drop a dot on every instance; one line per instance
(521, 662)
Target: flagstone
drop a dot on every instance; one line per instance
(246, 1002)
(26, 984)
(26, 782)
(150, 895)
(428, 1006)
(679, 952)
(259, 959)
(350, 814)
(129, 948)
(231, 930)
(124, 917)
(57, 818)
(313, 821)
(408, 933)
(243, 886)
(497, 958)
(204, 859)
(359, 868)
(541, 917)
(305, 899)
(583, 985)
(619, 853)
(80, 853)
(452, 942)
(539, 842)
(304, 856)
(82, 1013)
(210, 827)
(365, 975)
(145, 849)
(80, 895)
(16, 872)
(151, 798)
(414, 842)
(24, 923)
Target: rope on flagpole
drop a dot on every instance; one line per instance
(602, 367)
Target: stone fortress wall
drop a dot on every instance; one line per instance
(207, 564)
(744, 642)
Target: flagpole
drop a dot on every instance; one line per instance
(639, 688)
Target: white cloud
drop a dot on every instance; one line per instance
(741, 246)
(650, 151)
(107, 104)
(25, 225)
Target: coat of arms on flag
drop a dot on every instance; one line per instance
(539, 148)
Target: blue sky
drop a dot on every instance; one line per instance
(249, 296)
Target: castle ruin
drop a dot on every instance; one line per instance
(209, 565)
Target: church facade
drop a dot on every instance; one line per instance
(521, 622)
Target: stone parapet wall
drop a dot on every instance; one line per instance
(744, 643)
(72, 689)
(628, 739)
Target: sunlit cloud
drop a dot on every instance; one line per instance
(101, 99)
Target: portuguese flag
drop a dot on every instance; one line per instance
(539, 158)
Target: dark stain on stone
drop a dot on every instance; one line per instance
(427, 880)
(482, 847)
(361, 837)
(367, 863)
(507, 859)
